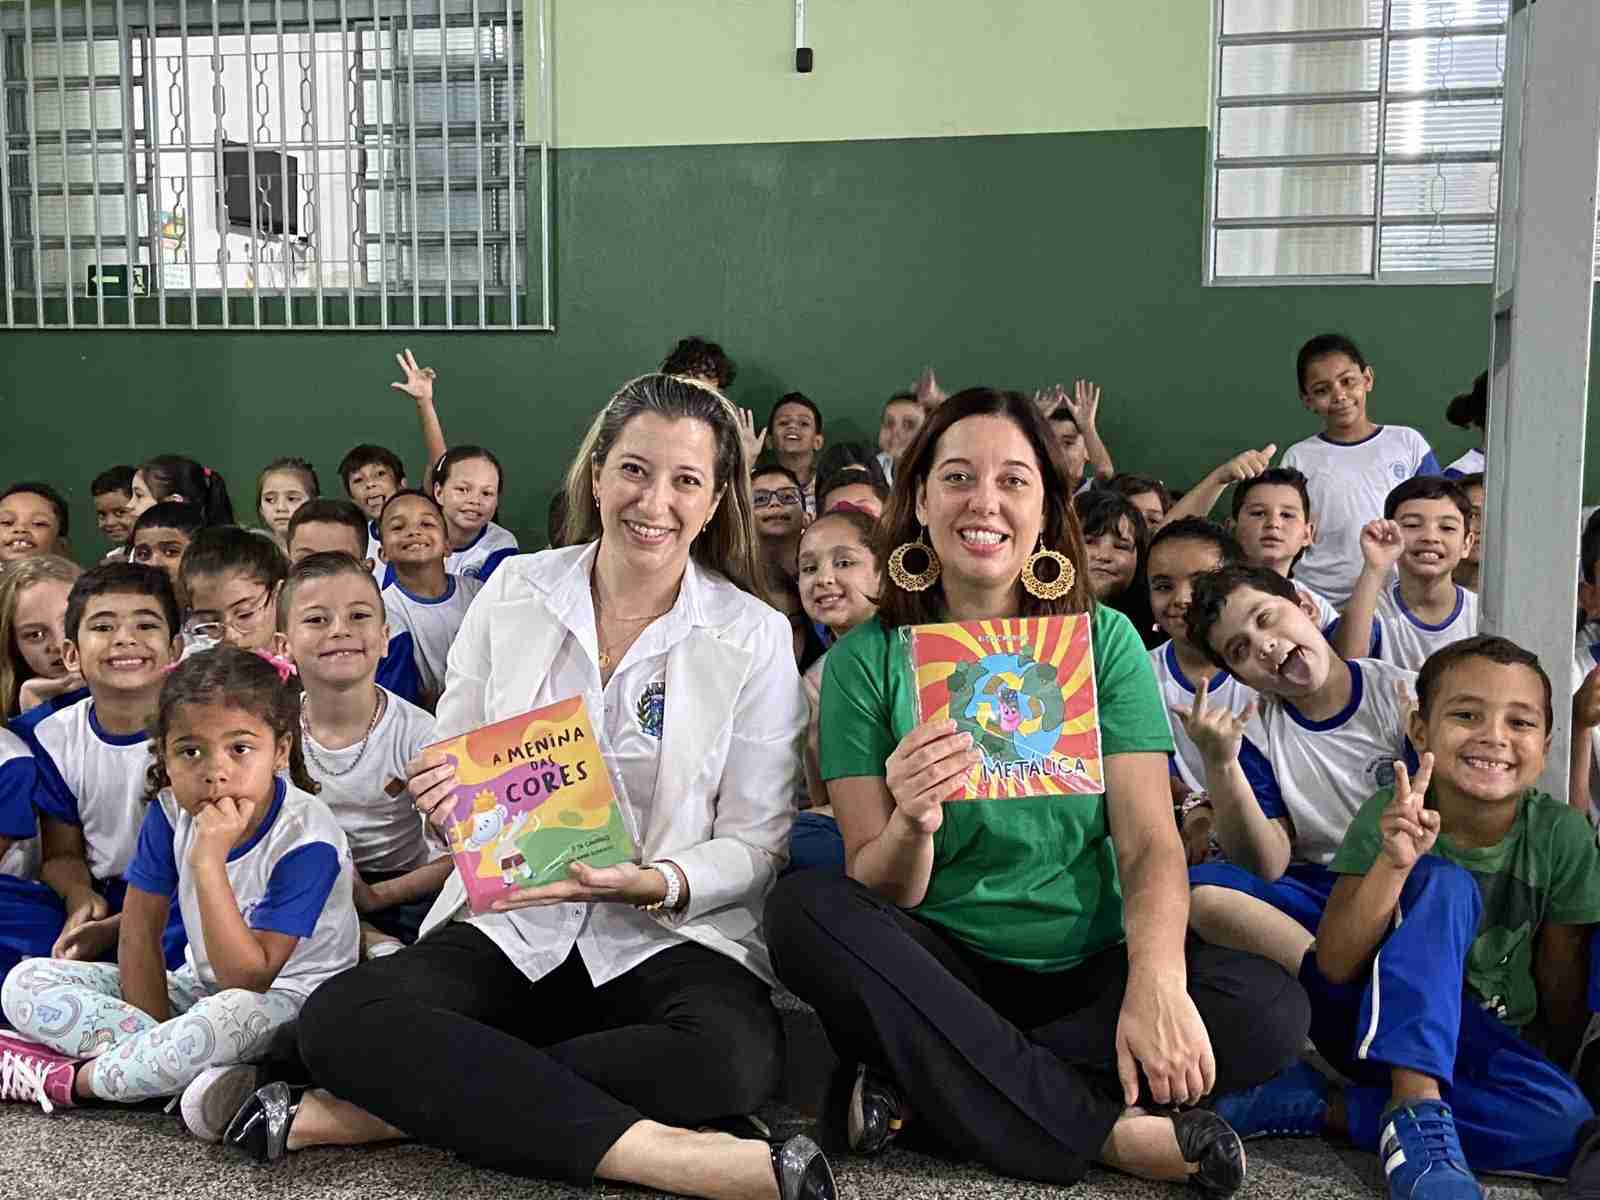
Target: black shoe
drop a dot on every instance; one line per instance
(1207, 1140)
(802, 1171)
(1583, 1180)
(861, 1113)
(261, 1127)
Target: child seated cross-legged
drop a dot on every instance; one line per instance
(1283, 791)
(1426, 530)
(357, 738)
(423, 599)
(338, 525)
(262, 877)
(1459, 922)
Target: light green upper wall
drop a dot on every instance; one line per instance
(693, 72)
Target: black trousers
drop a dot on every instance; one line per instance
(451, 1043)
(1015, 1069)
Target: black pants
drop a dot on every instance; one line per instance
(451, 1043)
(1015, 1069)
(403, 921)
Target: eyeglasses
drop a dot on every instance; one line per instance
(761, 498)
(242, 623)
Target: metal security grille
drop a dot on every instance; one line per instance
(275, 164)
(1355, 140)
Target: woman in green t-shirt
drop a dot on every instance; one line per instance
(1012, 976)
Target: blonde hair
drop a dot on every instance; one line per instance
(727, 545)
(14, 669)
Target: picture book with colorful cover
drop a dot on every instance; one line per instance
(532, 795)
(1024, 689)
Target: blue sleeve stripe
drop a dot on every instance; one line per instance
(1263, 780)
(18, 781)
(154, 867)
(398, 670)
(1428, 466)
(300, 886)
(487, 567)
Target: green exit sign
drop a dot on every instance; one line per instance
(113, 279)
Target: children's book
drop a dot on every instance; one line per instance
(1024, 689)
(532, 795)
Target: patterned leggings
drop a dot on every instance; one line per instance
(77, 1009)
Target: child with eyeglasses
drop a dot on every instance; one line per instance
(231, 578)
(779, 504)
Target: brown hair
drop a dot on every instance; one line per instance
(1498, 650)
(238, 678)
(899, 525)
(728, 543)
(14, 669)
(324, 564)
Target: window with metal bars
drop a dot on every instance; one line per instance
(1355, 140)
(275, 164)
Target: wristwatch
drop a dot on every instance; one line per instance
(669, 902)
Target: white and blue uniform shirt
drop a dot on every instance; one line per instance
(1401, 638)
(479, 557)
(1470, 463)
(292, 876)
(1319, 773)
(1178, 691)
(370, 800)
(18, 780)
(432, 626)
(1327, 614)
(1348, 485)
(380, 569)
(89, 778)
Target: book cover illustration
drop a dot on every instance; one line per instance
(1024, 689)
(532, 795)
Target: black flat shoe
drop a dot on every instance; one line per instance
(875, 1114)
(802, 1171)
(1210, 1142)
(261, 1127)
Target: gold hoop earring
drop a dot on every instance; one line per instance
(919, 581)
(1048, 589)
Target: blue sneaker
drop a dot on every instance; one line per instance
(1293, 1103)
(1422, 1155)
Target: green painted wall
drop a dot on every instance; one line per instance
(836, 268)
(645, 73)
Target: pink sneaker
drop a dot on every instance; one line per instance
(35, 1073)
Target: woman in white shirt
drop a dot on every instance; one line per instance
(589, 1028)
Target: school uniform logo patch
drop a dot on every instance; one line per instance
(1400, 471)
(1381, 771)
(652, 708)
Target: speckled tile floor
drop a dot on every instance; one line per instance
(103, 1154)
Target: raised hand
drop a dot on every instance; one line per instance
(1382, 544)
(1409, 829)
(929, 394)
(1248, 464)
(418, 382)
(753, 442)
(1084, 403)
(928, 767)
(1216, 732)
(1048, 399)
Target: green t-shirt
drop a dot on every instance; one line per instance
(1546, 869)
(1031, 882)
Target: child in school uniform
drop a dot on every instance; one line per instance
(261, 873)
(1469, 570)
(1179, 553)
(33, 609)
(1470, 410)
(161, 534)
(423, 599)
(91, 753)
(371, 474)
(282, 487)
(358, 737)
(33, 522)
(1272, 519)
(902, 420)
(466, 486)
(1425, 532)
(839, 584)
(338, 525)
(1285, 788)
(1351, 465)
(230, 580)
(31, 914)
(1462, 913)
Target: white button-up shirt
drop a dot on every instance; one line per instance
(700, 726)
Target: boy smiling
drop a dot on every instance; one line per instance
(1469, 876)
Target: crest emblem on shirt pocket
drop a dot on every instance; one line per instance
(652, 708)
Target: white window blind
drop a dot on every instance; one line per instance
(1355, 140)
(275, 163)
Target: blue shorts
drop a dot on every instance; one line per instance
(1302, 892)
